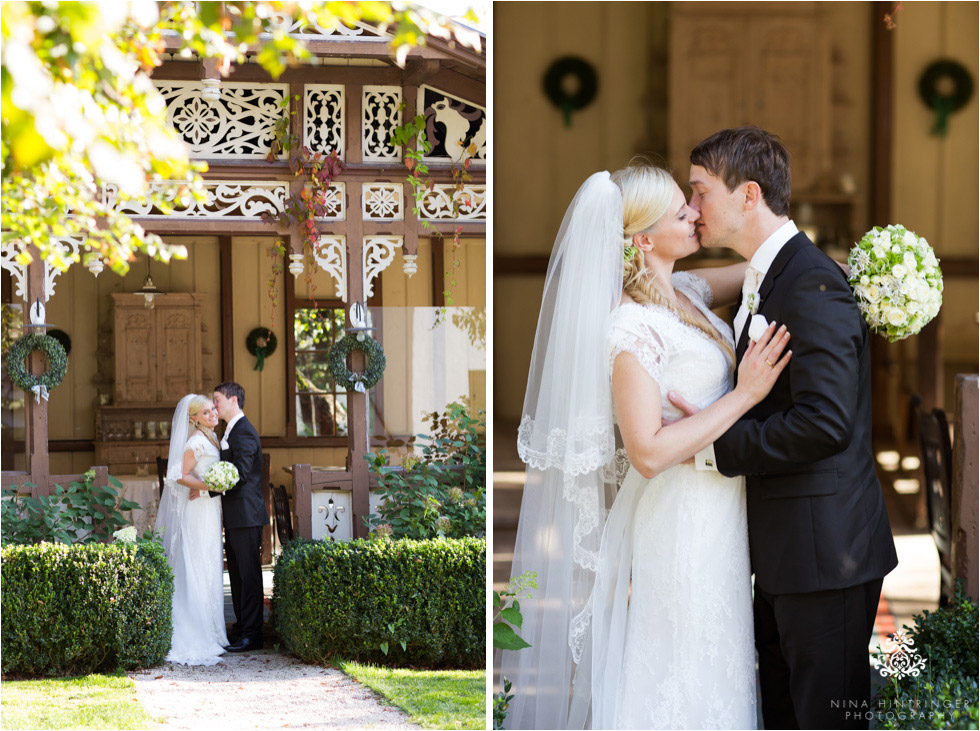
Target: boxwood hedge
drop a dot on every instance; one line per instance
(394, 602)
(73, 610)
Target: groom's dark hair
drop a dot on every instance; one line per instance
(229, 389)
(741, 154)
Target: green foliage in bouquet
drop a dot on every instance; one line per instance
(402, 603)
(74, 610)
(443, 493)
(80, 513)
(944, 694)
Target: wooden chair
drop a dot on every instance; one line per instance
(937, 465)
(284, 519)
(161, 472)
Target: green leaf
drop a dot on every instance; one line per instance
(505, 638)
(512, 615)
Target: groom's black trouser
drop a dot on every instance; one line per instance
(813, 656)
(242, 549)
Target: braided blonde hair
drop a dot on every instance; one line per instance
(647, 191)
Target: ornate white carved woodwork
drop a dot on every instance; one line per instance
(234, 199)
(452, 125)
(69, 247)
(240, 124)
(379, 252)
(335, 203)
(331, 256)
(438, 203)
(323, 118)
(380, 115)
(383, 201)
(359, 31)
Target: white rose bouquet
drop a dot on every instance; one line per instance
(221, 476)
(896, 280)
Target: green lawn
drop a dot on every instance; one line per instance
(89, 701)
(445, 699)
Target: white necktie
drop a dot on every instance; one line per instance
(750, 288)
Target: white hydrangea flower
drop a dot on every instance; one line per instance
(126, 535)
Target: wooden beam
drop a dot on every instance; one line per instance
(437, 245)
(353, 155)
(227, 309)
(469, 89)
(520, 265)
(36, 418)
(303, 500)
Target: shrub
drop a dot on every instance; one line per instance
(401, 602)
(79, 513)
(73, 610)
(442, 493)
(944, 694)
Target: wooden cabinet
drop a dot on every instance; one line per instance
(767, 64)
(158, 351)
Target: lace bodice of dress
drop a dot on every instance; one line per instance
(678, 356)
(205, 452)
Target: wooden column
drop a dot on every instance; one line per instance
(227, 310)
(303, 498)
(36, 421)
(357, 403)
(965, 492)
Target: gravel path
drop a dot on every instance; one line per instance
(262, 690)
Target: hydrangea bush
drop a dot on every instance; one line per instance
(896, 280)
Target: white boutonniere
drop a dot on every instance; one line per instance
(757, 326)
(753, 302)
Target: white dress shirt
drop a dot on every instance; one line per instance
(231, 425)
(761, 260)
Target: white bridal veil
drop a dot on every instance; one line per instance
(566, 438)
(174, 499)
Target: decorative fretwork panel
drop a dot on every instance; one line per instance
(323, 118)
(452, 125)
(358, 31)
(335, 202)
(383, 202)
(379, 116)
(240, 124)
(471, 203)
(237, 199)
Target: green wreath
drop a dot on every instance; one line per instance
(945, 104)
(261, 342)
(17, 366)
(337, 362)
(586, 84)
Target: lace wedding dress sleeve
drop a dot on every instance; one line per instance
(633, 330)
(692, 283)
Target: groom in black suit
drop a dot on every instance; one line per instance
(819, 537)
(244, 515)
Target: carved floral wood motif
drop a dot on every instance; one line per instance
(239, 125)
(69, 246)
(383, 202)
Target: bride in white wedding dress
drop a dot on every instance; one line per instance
(643, 615)
(191, 523)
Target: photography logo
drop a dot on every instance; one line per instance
(899, 658)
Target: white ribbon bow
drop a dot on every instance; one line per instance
(40, 392)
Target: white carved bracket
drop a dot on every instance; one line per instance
(69, 247)
(331, 257)
(379, 252)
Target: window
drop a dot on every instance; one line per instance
(321, 405)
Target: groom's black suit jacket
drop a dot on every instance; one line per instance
(242, 506)
(816, 513)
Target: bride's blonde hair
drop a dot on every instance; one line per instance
(197, 404)
(647, 191)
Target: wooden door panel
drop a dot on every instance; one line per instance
(176, 348)
(135, 364)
